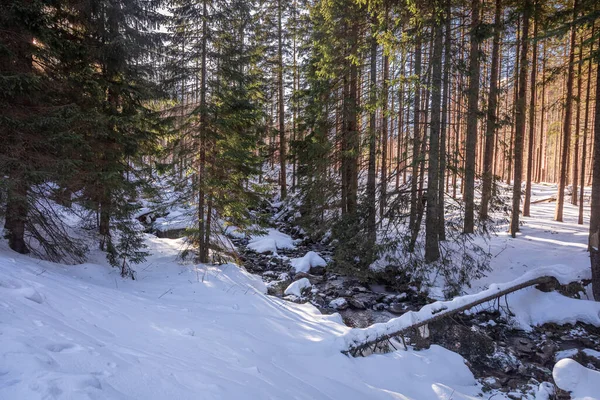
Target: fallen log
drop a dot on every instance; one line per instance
(440, 313)
(545, 200)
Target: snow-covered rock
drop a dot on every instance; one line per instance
(339, 304)
(581, 382)
(298, 287)
(310, 260)
(272, 241)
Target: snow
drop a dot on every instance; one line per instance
(296, 288)
(310, 260)
(271, 242)
(188, 332)
(581, 382)
(210, 332)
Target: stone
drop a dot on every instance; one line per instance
(397, 308)
(317, 270)
(357, 304)
(339, 304)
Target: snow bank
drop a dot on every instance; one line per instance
(582, 383)
(532, 308)
(271, 242)
(310, 260)
(188, 332)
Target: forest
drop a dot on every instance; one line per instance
(427, 170)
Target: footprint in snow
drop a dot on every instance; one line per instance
(30, 294)
(63, 348)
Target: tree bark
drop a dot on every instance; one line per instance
(575, 172)
(281, 117)
(445, 118)
(566, 139)
(492, 124)
(585, 134)
(371, 173)
(432, 250)
(595, 207)
(384, 135)
(416, 143)
(520, 123)
(202, 228)
(472, 117)
(527, 202)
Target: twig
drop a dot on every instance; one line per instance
(165, 293)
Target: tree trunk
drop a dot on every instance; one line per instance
(514, 105)
(575, 172)
(491, 124)
(527, 202)
(472, 117)
(281, 115)
(16, 213)
(432, 250)
(520, 123)
(445, 118)
(595, 207)
(202, 244)
(384, 136)
(353, 149)
(371, 173)
(416, 144)
(585, 134)
(566, 139)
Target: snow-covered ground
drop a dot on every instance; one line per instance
(181, 332)
(210, 332)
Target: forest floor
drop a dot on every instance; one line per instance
(189, 331)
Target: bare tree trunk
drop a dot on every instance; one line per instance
(566, 140)
(416, 143)
(595, 208)
(281, 117)
(384, 136)
(16, 213)
(527, 202)
(432, 250)
(445, 117)
(516, 93)
(520, 123)
(353, 150)
(491, 125)
(543, 143)
(472, 117)
(585, 133)
(371, 173)
(202, 228)
(575, 172)
(400, 135)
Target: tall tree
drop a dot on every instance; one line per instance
(531, 138)
(566, 136)
(594, 238)
(372, 136)
(491, 124)
(432, 251)
(585, 132)
(281, 104)
(472, 118)
(520, 109)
